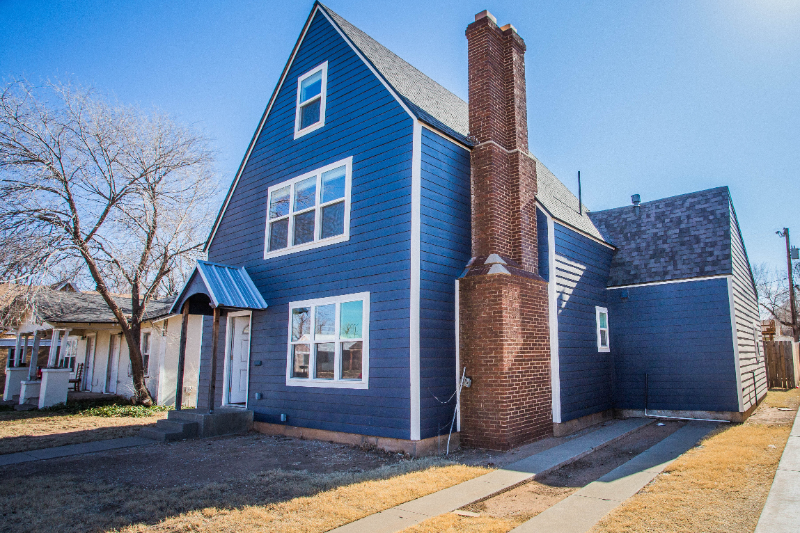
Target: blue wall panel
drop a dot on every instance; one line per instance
(582, 267)
(679, 334)
(364, 121)
(445, 250)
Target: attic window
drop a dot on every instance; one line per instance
(602, 329)
(311, 96)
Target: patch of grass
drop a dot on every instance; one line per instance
(453, 523)
(106, 407)
(378, 490)
(720, 486)
(783, 398)
(274, 500)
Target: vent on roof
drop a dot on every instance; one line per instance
(636, 200)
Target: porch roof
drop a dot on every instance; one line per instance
(226, 286)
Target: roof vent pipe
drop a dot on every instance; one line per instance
(636, 200)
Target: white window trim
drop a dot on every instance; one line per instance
(317, 243)
(597, 312)
(149, 331)
(322, 105)
(328, 383)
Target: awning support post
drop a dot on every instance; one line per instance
(182, 357)
(212, 382)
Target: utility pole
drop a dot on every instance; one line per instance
(792, 304)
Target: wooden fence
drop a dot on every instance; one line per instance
(782, 364)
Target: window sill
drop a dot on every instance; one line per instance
(326, 384)
(308, 246)
(604, 350)
(308, 129)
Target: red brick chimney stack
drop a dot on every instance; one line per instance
(504, 335)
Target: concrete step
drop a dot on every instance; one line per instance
(223, 421)
(33, 404)
(169, 431)
(187, 429)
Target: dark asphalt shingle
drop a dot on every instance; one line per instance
(680, 237)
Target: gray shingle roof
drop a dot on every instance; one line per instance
(680, 237)
(561, 203)
(86, 307)
(432, 103)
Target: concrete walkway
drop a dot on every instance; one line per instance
(447, 500)
(582, 510)
(782, 511)
(72, 449)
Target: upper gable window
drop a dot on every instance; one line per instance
(311, 95)
(310, 210)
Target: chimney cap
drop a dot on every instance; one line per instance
(636, 199)
(485, 14)
(509, 26)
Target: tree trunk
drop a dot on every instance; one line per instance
(141, 396)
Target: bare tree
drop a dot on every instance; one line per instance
(127, 195)
(773, 292)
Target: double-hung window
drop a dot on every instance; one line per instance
(145, 349)
(310, 210)
(602, 329)
(329, 342)
(312, 89)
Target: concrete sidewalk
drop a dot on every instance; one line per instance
(782, 511)
(447, 500)
(581, 511)
(72, 449)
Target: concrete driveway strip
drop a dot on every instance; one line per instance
(581, 511)
(72, 449)
(782, 511)
(450, 499)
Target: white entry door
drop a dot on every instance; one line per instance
(112, 368)
(238, 358)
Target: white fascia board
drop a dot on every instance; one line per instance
(684, 280)
(555, 375)
(416, 234)
(446, 137)
(735, 338)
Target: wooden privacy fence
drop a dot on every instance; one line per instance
(782, 364)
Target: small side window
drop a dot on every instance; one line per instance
(312, 88)
(602, 329)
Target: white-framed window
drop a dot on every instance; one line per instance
(329, 342)
(312, 91)
(310, 210)
(70, 354)
(601, 314)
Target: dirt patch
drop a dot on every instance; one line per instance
(35, 430)
(525, 501)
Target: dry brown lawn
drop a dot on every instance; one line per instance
(323, 511)
(720, 486)
(34, 430)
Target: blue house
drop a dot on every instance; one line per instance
(391, 263)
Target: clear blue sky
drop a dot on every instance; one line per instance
(652, 97)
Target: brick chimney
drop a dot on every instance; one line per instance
(504, 333)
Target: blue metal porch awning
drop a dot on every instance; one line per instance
(226, 286)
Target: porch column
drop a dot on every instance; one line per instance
(16, 353)
(64, 339)
(21, 357)
(53, 357)
(182, 357)
(34, 360)
(212, 384)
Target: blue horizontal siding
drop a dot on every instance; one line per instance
(586, 375)
(364, 121)
(679, 335)
(444, 251)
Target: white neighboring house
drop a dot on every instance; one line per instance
(87, 337)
